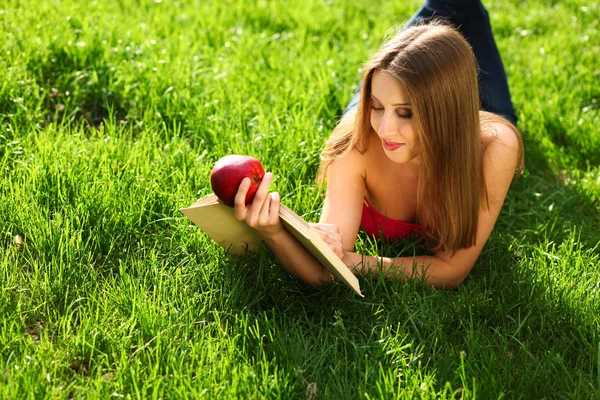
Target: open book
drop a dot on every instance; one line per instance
(218, 221)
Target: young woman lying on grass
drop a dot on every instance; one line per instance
(413, 154)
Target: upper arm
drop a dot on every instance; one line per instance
(345, 194)
(500, 160)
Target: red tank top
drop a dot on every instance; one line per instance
(378, 225)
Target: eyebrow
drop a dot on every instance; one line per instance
(395, 105)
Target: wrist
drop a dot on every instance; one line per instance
(272, 236)
(353, 261)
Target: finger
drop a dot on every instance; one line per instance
(324, 236)
(332, 239)
(260, 197)
(326, 227)
(263, 188)
(327, 235)
(318, 227)
(239, 202)
(263, 216)
(274, 211)
(333, 244)
(334, 247)
(332, 228)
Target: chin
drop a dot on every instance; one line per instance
(398, 159)
(402, 157)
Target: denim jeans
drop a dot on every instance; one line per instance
(472, 20)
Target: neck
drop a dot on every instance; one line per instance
(414, 165)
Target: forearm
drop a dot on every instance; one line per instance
(431, 269)
(296, 260)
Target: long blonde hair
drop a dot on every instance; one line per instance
(438, 70)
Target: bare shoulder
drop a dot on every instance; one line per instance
(504, 134)
(346, 180)
(352, 163)
(502, 158)
(503, 148)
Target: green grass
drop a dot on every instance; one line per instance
(113, 113)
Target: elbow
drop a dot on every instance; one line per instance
(458, 280)
(453, 278)
(321, 279)
(454, 283)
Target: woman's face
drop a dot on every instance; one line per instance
(391, 118)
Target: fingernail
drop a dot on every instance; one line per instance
(245, 182)
(275, 196)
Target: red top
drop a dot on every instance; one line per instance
(378, 225)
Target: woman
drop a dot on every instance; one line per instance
(414, 155)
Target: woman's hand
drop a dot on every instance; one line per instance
(263, 213)
(330, 233)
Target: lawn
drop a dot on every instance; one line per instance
(112, 114)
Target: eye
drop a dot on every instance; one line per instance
(376, 108)
(405, 114)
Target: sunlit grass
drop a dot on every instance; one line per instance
(113, 114)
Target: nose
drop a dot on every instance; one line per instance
(387, 125)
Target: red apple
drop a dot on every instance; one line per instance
(230, 171)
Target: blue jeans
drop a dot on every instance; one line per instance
(472, 20)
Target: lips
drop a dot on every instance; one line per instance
(391, 146)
